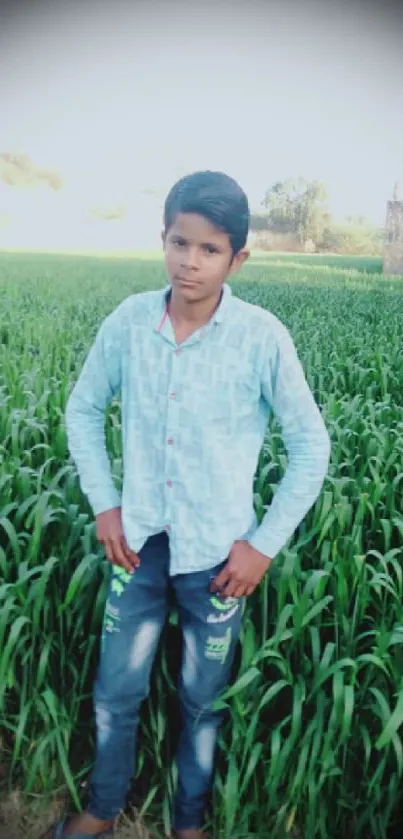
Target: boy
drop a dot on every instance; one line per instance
(199, 372)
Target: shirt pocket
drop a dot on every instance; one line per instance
(236, 395)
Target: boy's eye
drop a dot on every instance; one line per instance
(181, 243)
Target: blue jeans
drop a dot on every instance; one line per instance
(135, 613)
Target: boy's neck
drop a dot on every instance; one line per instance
(194, 314)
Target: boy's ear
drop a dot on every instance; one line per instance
(239, 260)
(163, 237)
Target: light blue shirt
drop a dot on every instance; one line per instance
(194, 419)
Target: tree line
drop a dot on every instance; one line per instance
(19, 170)
(298, 211)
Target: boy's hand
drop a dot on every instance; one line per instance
(109, 532)
(244, 570)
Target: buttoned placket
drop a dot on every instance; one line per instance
(166, 331)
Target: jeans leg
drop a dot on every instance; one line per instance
(211, 628)
(135, 613)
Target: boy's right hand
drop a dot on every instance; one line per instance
(109, 532)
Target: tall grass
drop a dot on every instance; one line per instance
(313, 744)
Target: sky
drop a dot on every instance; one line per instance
(122, 98)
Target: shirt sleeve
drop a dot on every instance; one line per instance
(99, 381)
(307, 443)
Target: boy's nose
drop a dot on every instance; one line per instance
(190, 259)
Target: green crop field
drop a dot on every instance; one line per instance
(314, 745)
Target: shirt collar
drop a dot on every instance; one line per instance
(223, 306)
(217, 317)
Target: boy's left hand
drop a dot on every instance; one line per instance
(244, 570)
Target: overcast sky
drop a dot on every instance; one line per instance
(124, 97)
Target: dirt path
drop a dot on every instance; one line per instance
(18, 820)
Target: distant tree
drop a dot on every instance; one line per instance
(18, 170)
(298, 207)
(109, 213)
(356, 239)
(259, 221)
(358, 221)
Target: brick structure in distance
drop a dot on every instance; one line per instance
(393, 247)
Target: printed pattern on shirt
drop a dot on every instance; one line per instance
(194, 418)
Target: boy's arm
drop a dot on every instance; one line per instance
(307, 442)
(99, 381)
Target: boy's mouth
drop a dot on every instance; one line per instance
(188, 283)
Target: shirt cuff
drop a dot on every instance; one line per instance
(267, 545)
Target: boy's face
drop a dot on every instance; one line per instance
(198, 257)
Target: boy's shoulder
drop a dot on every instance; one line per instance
(258, 318)
(136, 306)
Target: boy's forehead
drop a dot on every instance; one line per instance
(194, 226)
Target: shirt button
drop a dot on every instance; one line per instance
(169, 483)
(178, 352)
(168, 528)
(170, 441)
(172, 395)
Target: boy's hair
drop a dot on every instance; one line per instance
(215, 196)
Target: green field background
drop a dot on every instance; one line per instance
(313, 746)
